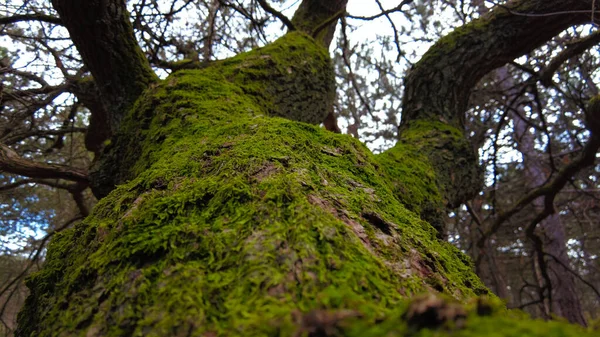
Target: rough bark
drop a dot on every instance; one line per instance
(235, 223)
(439, 85)
(229, 222)
(103, 35)
(319, 18)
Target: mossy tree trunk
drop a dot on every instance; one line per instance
(228, 219)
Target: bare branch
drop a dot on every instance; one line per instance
(6, 20)
(385, 12)
(351, 75)
(572, 50)
(11, 162)
(41, 133)
(277, 14)
(553, 187)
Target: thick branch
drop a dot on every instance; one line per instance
(311, 15)
(437, 89)
(440, 84)
(11, 162)
(98, 131)
(104, 37)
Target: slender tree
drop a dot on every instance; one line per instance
(223, 212)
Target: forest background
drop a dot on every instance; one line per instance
(526, 119)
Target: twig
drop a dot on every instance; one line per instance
(350, 72)
(386, 12)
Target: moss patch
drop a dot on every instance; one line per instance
(432, 167)
(228, 222)
(234, 222)
(291, 78)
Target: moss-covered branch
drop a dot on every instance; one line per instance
(292, 78)
(239, 224)
(439, 85)
(231, 221)
(235, 223)
(438, 88)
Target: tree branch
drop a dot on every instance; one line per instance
(572, 50)
(440, 84)
(277, 14)
(313, 13)
(41, 133)
(103, 35)
(6, 20)
(11, 162)
(383, 13)
(438, 87)
(553, 187)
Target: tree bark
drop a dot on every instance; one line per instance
(103, 35)
(319, 18)
(229, 222)
(437, 90)
(235, 223)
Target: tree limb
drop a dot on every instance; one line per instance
(438, 87)
(11, 162)
(572, 50)
(6, 20)
(313, 13)
(553, 187)
(383, 13)
(277, 14)
(11, 139)
(103, 35)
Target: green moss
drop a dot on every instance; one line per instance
(421, 169)
(444, 318)
(414, 181)
(291, 78)
(238, 224)
(234, 222)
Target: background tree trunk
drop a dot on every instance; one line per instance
(564, 300)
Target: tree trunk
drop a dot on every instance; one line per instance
(228, 220)
(104, 37)
(564, 301)
(233, 221)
